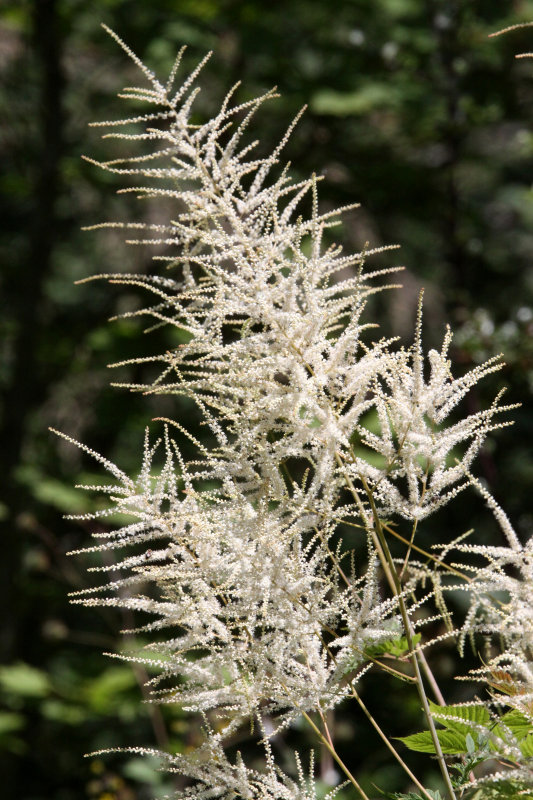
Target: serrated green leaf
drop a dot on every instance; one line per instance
(451, 742)
(519, 725)
(410, 796)
(420, 742)
(391, 647)
(458, 734)
(450, 716)
(526, 746)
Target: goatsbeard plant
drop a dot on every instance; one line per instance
(255, 607)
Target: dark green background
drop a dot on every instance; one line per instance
(415, 113)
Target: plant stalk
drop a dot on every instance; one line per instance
(409, 635)
(335, 755)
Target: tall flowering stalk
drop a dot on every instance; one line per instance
(254, 605)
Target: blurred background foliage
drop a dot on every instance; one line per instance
(413, 111)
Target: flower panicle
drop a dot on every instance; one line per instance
(235, 566)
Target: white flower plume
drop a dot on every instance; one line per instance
(426, 460)
(241, 599)
(254, 603)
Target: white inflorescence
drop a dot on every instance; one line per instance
(243, 596)
(254, 605)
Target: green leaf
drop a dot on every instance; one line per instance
(503, 790)
(104, 693)
(391, 647)
(436, 795)
(10, 722)
(65, 713)
(451, 742)
(53, 492)
(526, 746)
(410, 796)
(519, 725)
(144, 770)
(450, 716)
(459, 736)
(369, 97)
(23, 679)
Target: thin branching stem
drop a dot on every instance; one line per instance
(331, 749)
(388, 743)
(409, 635)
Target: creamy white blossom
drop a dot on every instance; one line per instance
(501, 609)
(252, 599)
(215, 776)
(238, 598)
(426, 459)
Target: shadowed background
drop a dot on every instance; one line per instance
(415, 113)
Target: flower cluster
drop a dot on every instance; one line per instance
(501, 609)
(420, 451)
(216, 776)
(243, 594)
(254, 603)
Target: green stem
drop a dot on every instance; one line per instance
(392, 749)
(409, 635)
(329, 747)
